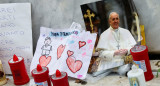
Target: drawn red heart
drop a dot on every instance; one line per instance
(60, 50)
(70, 53)
(73, 64)
(81, 43)
(44, 61)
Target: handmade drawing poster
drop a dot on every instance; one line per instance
(68, 50)
(15, 33)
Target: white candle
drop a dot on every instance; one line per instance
(136, 77)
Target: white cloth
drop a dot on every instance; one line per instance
(107, 45)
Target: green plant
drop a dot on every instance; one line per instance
(157, 73)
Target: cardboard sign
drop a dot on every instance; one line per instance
(15, 33)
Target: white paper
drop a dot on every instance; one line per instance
(32, 83)
(15, 33)
(110, 64)
(75, 26)
(69, 53)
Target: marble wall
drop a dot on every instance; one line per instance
(148, 11)
(59, 14)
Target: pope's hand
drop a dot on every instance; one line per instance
(117, 52)
(121, 52)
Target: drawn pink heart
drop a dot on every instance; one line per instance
(81, 43)
(73, 64)
(44, 61)
(89, 41)
(84, 54)
(79, 76)
(90, 47)
(70, 53)
(60, 50)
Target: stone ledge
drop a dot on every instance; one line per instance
(110, 80)
(154, 67)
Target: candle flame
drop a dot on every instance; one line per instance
(15, 58)
(39, 68)
(58, 73)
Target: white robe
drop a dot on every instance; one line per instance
(108, 44)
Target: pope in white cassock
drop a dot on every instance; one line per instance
(113, 45)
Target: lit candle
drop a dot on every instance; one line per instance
(18, 70)
(136, 77)
(141, 59)
(41, 76)
(60, 79)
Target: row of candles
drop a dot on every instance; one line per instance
(40, 74)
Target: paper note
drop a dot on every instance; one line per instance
(15, 33)
(75, 26)
(68, 50)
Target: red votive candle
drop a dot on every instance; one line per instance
(41, 76)
(60, 79)
(141, 58)
(18, 70)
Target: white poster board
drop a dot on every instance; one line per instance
(15, 33)
(68, 50)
